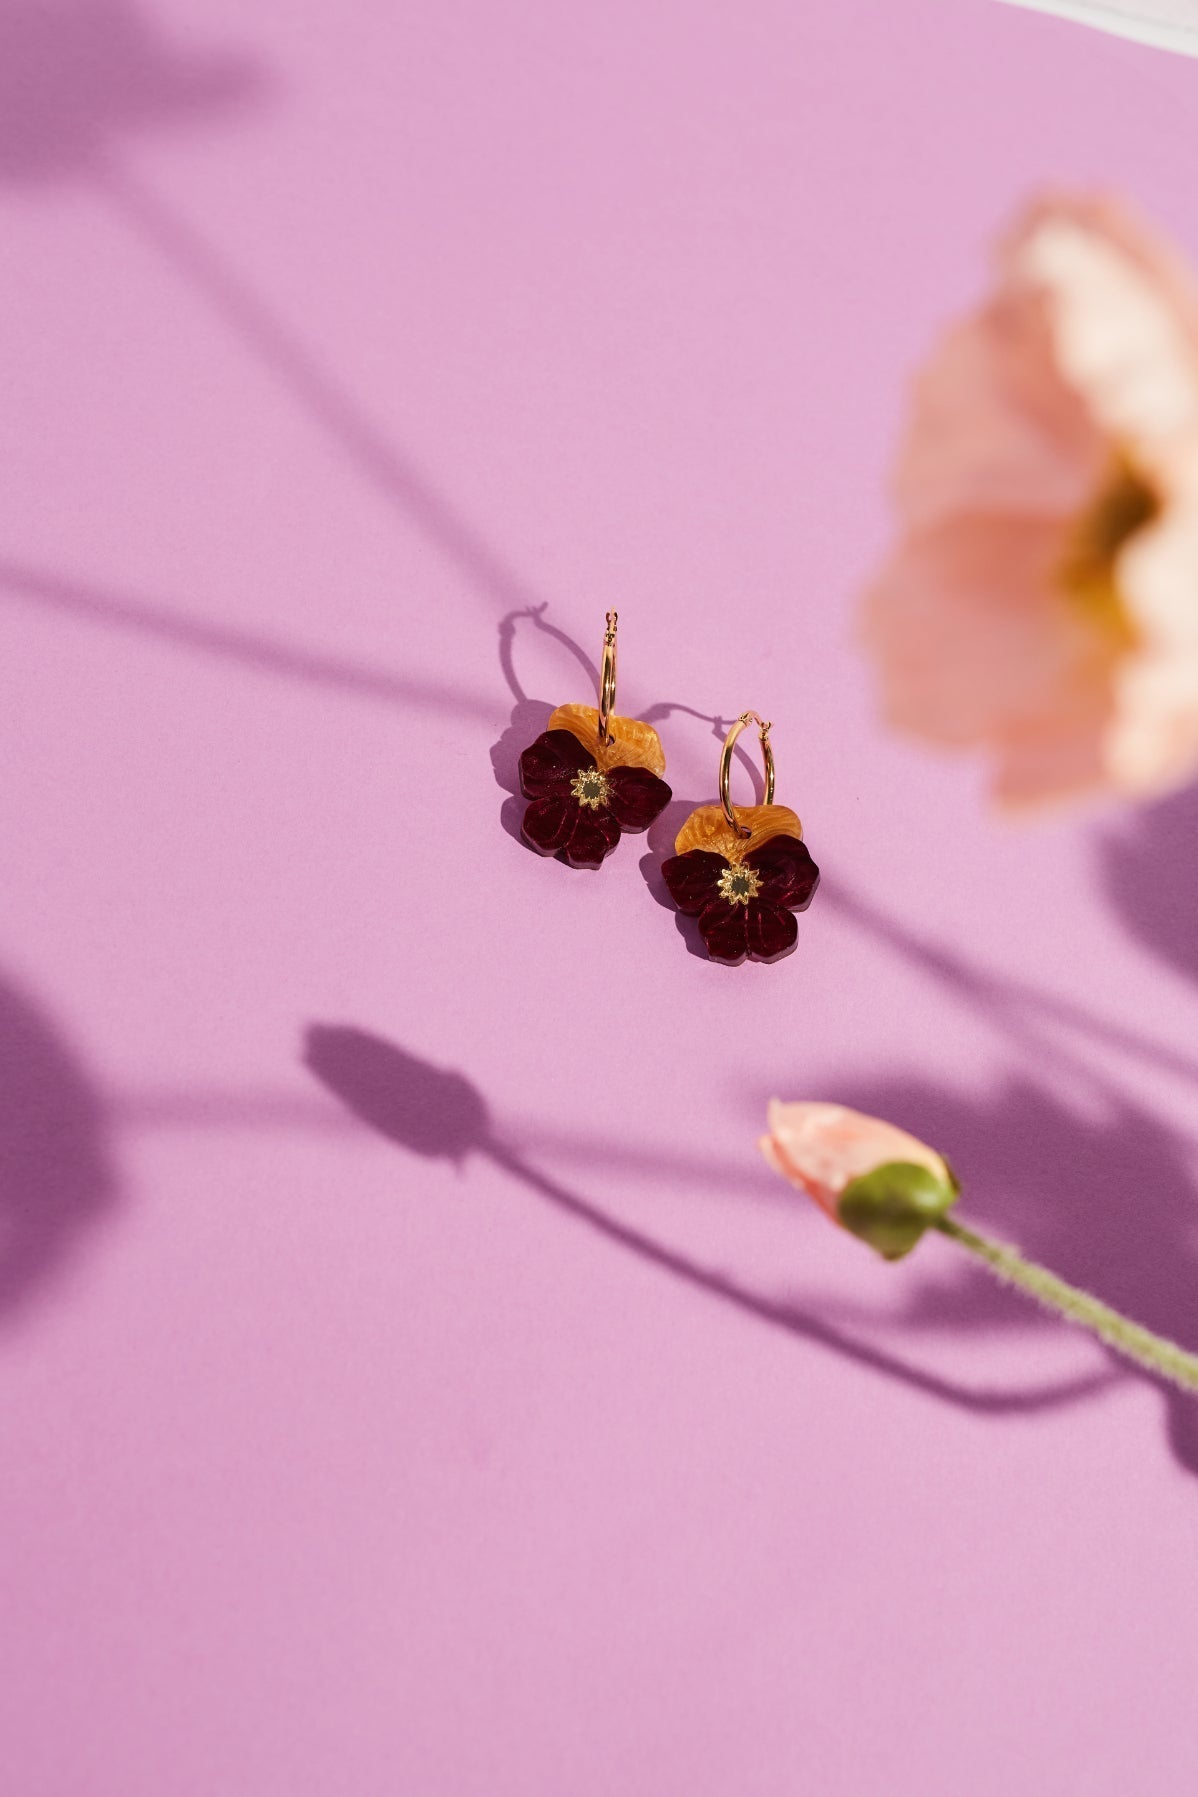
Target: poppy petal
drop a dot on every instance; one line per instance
(594, 836)
(548, 766)
(724, 931)
(693, 879)
(636, 796)
(786, 871)
(548, 823)
(772, 932)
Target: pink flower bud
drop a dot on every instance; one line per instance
(871, 1177)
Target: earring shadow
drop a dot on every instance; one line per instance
(529, 717)
(528, 720)
(659, 841)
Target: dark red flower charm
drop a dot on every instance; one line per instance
(582, 801)
(742, 890)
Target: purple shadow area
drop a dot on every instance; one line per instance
(1105, 1200)
(56, 1175)
(77, 79)
(529, 716)
(77, 82)
(436, 1114)
(1150, 872)
(439, 1114)
(271, 656)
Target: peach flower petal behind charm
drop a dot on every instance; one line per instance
(743, 870)
(591, 775)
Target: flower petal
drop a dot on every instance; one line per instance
(1152, 743)
(708, 829)
(977, 644)
(1031, 610)
(594, 836)
(636, 796)
(772, 931)
(822, 1147)
(693, 879)
(1124, 316)
(995, 427)
(549, 765)
(548, 823)
(630, 742)
(723, 928)
(786, 871)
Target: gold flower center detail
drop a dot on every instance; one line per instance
(590, 788)
(738, 885)
(1123, 506)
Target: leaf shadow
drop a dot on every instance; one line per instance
(57, 1179)
(1102, 1194)
(1149, 870)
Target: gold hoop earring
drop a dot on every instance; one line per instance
(743, 870)
(767, 757)
(591, 775)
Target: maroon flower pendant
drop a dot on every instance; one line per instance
(744, 889)
(585, 791)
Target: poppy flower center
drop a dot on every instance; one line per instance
(590, 788)
(738, 885)
(1124, 505)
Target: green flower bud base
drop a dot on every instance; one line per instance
(893, 1206)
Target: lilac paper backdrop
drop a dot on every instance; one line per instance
(412, 1381)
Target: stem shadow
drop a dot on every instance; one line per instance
(441, 1115)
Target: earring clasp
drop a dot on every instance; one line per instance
(767, 756)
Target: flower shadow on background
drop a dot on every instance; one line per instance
(441, 1115)
(56, 1175)
(1149, 870)
(78, 80)
(1105, 1199)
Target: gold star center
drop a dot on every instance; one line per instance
(738, 885)
(590, 788)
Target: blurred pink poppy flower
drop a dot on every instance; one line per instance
(1043, 601)
(875, 1179)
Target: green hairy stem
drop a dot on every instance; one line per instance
(1152, 1351)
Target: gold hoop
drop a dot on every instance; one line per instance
(767, 756)
(607, 679)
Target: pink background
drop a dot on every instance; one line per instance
(468, 1411)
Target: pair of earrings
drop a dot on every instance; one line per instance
(742, 870)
